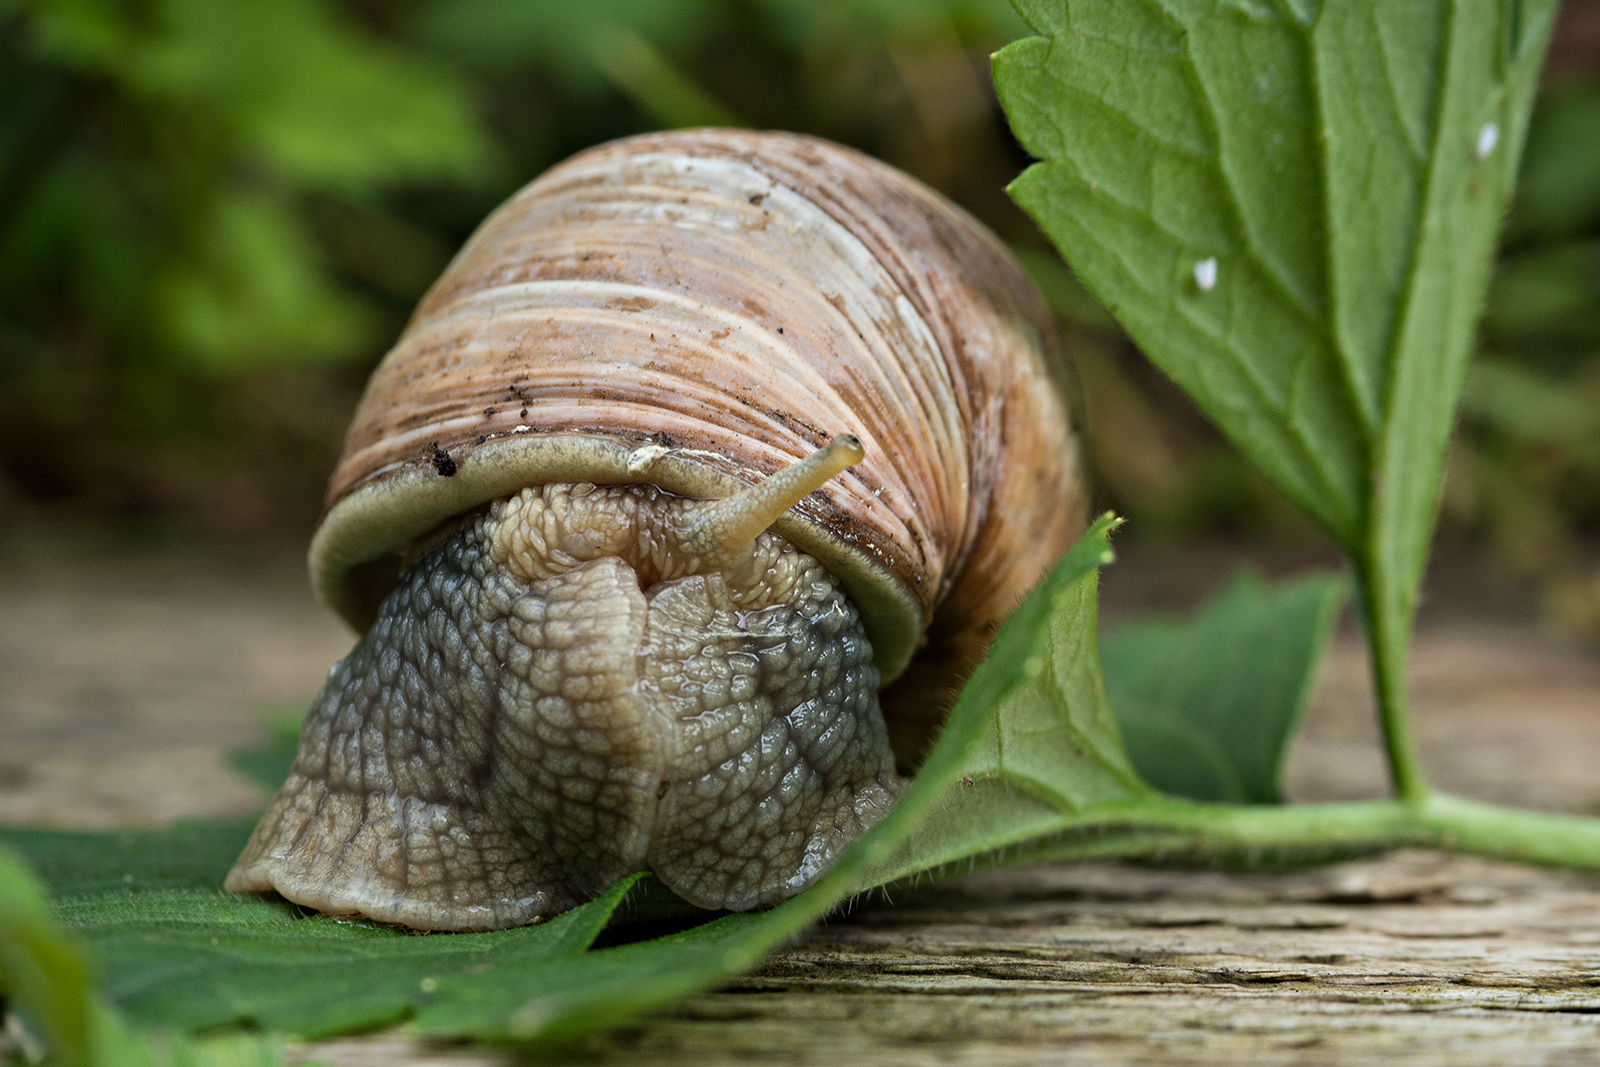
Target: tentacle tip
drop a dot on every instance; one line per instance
(733, 522)
(849, 446)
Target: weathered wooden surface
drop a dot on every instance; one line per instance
(122, 684)
(124, 681)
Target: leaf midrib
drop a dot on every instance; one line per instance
(1425, 218)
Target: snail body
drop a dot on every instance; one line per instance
(693, 445)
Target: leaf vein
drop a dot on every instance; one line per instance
(1105, 108)
(1338, 336)
(1309, 457)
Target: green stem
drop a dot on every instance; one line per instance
(1170, 828)
(1462, 825)
(1388, 626)
(1167, 828)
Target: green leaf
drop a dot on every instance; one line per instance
(1209, 705)
(177, 951)
(43, 973)
(40, 971)
(1056, 735)
(1291, 206)
(1341, 167)
(1048, 754)
(1163, 151)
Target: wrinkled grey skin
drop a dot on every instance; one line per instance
(564, 690)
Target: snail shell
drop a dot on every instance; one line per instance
(692, 312)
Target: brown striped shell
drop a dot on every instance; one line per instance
(699, 309)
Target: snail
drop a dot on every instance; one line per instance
(696, 442)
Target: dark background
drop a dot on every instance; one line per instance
(215, 215)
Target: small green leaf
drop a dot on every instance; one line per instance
(44, 976)
(1209, 705)
(1041, 754)
(1055, 736)
(40, 972)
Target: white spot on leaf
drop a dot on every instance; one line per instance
(1205, 274)
(1488, 137)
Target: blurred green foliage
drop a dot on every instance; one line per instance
(159, 163)
(216, 214)
(1526, 468)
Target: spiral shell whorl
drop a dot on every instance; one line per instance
(697, 310)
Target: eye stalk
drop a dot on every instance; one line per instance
(730, 524)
